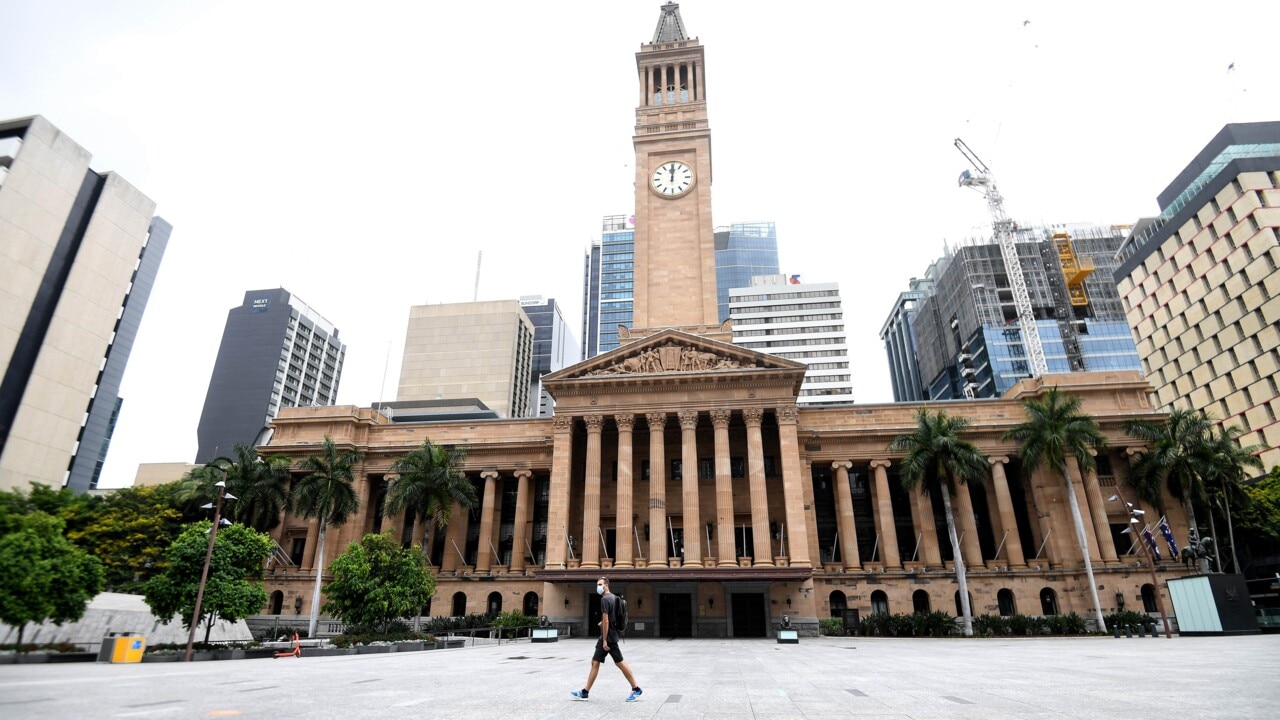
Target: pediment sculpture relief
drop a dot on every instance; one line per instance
(670, 358)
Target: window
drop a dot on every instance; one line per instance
(879, 603)
(1048, 602)
(1148, 598)
(920, 602)
(1005, 600)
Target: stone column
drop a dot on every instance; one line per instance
(518, 550)
(484, 553)
(558, 502)
(644, 99)
(884, 516)
(844, 517)
(313, 542)
(624, 525)
(762, 547)
(1098, 511)
(692, 521)
(793, 493)
(1008, 521)
(455, 539)
(1050, 538)
(965, 522)
(591, 494)
(702, 85)
(926, 525)
(1073, 470)
(725, 552)
(657, 422)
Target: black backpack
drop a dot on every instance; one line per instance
(620, 614)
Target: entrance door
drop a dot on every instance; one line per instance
(675, 615)
(593, 615)
(748, 615)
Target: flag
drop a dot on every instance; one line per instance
(1168, 537)
(1151, 541)
(794, 280)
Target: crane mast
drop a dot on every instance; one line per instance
(1002, 227)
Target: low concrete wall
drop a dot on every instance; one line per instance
(119, 613)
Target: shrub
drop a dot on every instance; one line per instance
(935, 624)
(1126, 618)
(1019, 625)
(831, 626)
(993, 625)
(510, 621)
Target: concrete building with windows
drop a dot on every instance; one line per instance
(970, 344)
(804, 322)
(276, 352)
(554, 347)
(481, 350)
(900, 341)
(1201, 290)
(685, 467)
(81, 251)
(743, 251)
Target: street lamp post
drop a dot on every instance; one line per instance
(204, 574)
(1134, 516)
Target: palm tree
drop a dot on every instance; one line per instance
(260, 486)
(429, 484)
(938, 461)
(1173, 460)
(326, 493)
(1055, 427)
(1223, 459)
(199, 487)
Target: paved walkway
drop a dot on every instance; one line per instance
(1215, 677)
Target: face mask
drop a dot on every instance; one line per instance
(599, 589)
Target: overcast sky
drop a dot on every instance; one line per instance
(360, 155)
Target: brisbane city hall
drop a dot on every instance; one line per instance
(680, 466)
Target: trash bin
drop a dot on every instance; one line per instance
(123, 648)
(108, 647)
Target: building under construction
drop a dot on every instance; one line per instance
(969, 341)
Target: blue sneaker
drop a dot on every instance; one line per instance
(579, 694)
(635, 695)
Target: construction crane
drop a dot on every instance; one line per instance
(981, 180)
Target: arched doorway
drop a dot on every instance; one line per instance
(879, 603)
(1004, 599)
(459, 604)
(494, 605)
(1048, 602)
(960, 610)
(277, 602)
(838, 604)
(530, 604)
(920, 602)
(1148, 598)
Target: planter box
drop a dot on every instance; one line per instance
(744, 562)
(411, 646)
(231, 654)
(449, 644)
(573, 564)
(641, 563)
(260, 653)
(673, 562)
(68, 657)
(606, 563)
(162, 658)
(32, 658)
(782, 561)
(327, 652)
(372, 649)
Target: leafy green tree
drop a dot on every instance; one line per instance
(376, 582)
(233, 589)
(939, 462)
(430, 482)
(1259, 520)
(1173, 459)
(131, 535)
(260, 486)
(1055, 427)
(45, 577)
(74, 510)
(1223, 465)
(326, 493)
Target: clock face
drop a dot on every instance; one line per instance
(672, 179)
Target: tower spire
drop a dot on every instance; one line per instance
(670, 26)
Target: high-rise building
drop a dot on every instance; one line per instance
(81, 250)
(804, 322)
(276, 352)
(900, 344)
(743, 251)
(1201, 289)
(554, 347)
(970, 344)
(481, 350)
(608, 288)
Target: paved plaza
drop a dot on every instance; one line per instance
(1210, 677)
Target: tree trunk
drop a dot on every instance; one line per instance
(958, 560)
(315, 595)
(1231, 533)
(1213, 532)
(1193, 535)
(208, 626)
(21, 628)
(1084, 550)
(429, 541)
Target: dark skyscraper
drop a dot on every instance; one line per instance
(276, 352)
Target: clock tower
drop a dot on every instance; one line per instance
(675, 260)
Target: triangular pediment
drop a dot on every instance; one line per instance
(670, 352)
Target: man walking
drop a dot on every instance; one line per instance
(607, 645)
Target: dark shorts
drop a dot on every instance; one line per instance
(614, 651)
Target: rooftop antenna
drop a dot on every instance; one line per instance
(475, 295)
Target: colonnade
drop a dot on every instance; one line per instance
(660, 83)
